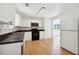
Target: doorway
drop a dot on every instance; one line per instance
(56, 28)
(56, 37)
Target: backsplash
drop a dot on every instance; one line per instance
(7, 28)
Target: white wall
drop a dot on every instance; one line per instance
(69, 41)
(69, 30)
(47, 27)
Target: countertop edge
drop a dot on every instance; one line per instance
(10, 42)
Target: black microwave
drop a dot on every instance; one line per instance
(34, 24)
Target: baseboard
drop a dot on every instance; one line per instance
(68, 51)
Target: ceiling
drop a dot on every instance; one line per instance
(52, 9)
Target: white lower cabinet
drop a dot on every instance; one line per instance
(10, 49)
(41, 35)
(27, 36)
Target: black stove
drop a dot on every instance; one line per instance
(35, 34)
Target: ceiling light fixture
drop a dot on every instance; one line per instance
(41, 10)
(27, 4)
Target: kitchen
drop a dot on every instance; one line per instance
(22, 23)
(16, 29)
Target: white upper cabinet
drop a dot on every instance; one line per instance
(17, 20)
(7, 12)
(26, 21)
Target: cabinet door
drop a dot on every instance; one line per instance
(28, 36)
(41, 35)
(10, 49)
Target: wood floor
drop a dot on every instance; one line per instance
(44, 47)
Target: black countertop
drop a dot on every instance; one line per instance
(11, 38)
(28, 30)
